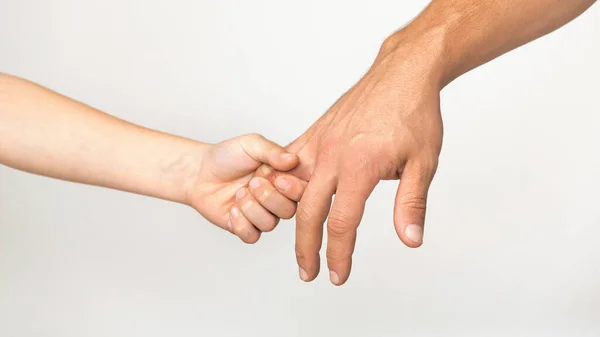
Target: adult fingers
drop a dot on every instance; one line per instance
(310, 217)
(344, 218)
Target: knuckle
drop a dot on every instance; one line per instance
(263, 194)
(326, 174)
(415, 201)
(427, 165)
(358, 139)
(246, 202)
(327, 150)
(337, 226)
(358, 163)
(303, 214)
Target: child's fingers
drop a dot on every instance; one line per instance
(241, 227)
(267, 195)
(254, 212)
(263, 150)
(289, 186)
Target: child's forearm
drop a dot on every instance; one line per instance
(49, 134)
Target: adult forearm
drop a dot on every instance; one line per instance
(459, 35)
(45, 133)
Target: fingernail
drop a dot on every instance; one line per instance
(333, 276)
(254, 183)
(229, 226)
(282, 184)
(240, 193)
(414, 233)
(288, 156)
(303, 275)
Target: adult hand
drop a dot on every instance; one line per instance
(388, 126)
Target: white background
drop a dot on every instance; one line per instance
(511, 239)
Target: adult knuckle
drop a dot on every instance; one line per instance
(303, 214)
(427, 164)
(337, 226)
(415, 200)
(357, 163)
(431, 164)
(359, 139)
(325, 174)
(327, 150)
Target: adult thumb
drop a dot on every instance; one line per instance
(411, 203)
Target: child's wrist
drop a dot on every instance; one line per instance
(181, 170)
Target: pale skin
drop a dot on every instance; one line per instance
(389, 125)
(49, 134)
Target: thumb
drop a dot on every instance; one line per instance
(411, 203)
(264, 151)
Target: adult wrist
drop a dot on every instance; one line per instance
(421, 54)
(427, 43)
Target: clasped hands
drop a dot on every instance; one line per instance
(388, 126)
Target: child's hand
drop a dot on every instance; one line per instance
(220, 189)
(270, 195)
